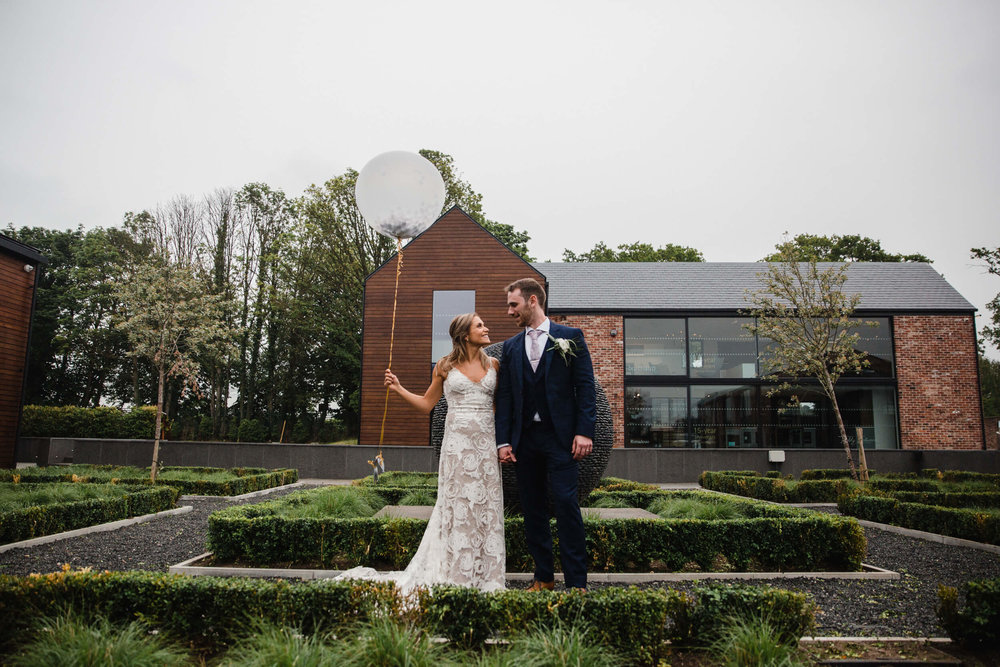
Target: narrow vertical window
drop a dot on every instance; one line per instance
(447, 305)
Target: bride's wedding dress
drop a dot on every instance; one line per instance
(464, 541)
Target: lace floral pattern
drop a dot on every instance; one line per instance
(464, 541)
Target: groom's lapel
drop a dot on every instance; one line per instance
(547, 354)
(517, 361)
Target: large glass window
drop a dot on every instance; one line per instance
(447, 305)
(876, 340)
(655, 347)
(720, 347)
(724, 416)
(656, 416)
(811, 423)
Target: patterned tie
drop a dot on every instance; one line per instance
(535, 353)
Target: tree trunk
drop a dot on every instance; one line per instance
(828, 387)
(159, 426)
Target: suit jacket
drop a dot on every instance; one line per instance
(569, 388)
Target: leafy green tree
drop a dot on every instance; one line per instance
(806, 316)
(989, 383)
(992, 259)
(635, 252)
(459, 193)
(849, 248)
(170, 320)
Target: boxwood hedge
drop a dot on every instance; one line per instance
(244, 480)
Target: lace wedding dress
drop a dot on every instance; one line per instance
(464, 541)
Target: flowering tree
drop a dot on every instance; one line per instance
(172, 320)
(804, 311)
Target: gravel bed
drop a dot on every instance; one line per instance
(871, 608)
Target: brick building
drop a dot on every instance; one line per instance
(670, 349)
(18, 279)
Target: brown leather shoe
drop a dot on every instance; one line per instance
(542, 585)
(577, 589)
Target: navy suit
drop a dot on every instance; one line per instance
(562, 394)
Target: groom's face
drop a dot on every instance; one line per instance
(519, 308)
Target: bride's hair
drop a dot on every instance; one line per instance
(459, 332)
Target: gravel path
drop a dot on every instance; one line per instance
(906, 607)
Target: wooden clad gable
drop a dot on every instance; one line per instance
(455, 253)
(16, 299)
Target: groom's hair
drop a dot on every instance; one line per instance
(529, 287)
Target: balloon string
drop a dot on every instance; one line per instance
(392, 335)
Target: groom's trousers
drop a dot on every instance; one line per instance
(543, 464)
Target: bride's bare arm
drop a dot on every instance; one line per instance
(423, 403)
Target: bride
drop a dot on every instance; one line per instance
(464, 541)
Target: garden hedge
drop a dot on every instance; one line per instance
(30, 522)
(257, 535)
(247, 479)
(70, 421)
(978, 623)
(209, 611)
(774, 489)
(955, 522)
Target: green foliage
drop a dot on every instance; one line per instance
(70, 639)
(560, 644)
(24, 523)
(76, 422)
(19, 496)
(265, 644)
(991, 331)
(618, 484)
(826, 473)
(969, 524)
(251, 430)
(401, 479)
(849, 248)
(425, 498)
(387, 641)
(753, 642)
(775, 490)
(201, 610)
(690, 508)
(190, 480)
(635, 252)
(770, 538)
(214, 613)
(978, 623)
(989, 384)
(340, 502)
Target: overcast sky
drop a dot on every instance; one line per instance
(716, 125)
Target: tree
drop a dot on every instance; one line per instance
(849, 248)
(992, 259)
(459, 193)
(989, 383)
(170, 320)
(806, 315)
(635, 252)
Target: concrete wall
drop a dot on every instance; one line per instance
(350, 461)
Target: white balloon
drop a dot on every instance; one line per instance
(400, 194)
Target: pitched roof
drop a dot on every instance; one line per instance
(21, 250)
(693, 286)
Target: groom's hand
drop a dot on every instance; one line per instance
(582, 446)
(506, 454)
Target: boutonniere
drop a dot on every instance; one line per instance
(564, 346)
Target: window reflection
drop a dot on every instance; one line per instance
(655, 347)
(811, 423)
(655, 416)
(721, 347)
(724, 416)
(447, 305)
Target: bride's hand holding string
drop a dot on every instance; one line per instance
(392, 381)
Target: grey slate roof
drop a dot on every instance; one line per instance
(692, 286)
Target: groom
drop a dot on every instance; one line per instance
(545, 424)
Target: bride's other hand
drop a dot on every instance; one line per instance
(391, 380)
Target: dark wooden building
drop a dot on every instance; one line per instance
(453, 267)
(19, 266)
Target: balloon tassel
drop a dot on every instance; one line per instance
(392, 336)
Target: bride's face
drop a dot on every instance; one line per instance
(479, 335)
